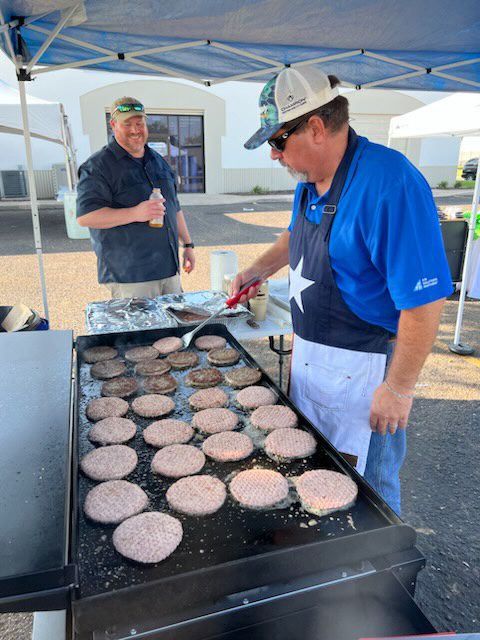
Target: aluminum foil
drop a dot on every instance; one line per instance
(203, 303)
(129, 314)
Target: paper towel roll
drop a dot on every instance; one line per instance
(221, 262)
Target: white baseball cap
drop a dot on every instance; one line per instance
(290, 94)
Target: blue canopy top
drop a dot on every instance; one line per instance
(412, 44)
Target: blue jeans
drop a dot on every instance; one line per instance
(384, 461)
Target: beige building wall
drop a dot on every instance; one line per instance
(162, 97)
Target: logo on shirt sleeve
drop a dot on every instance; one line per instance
(424, 283)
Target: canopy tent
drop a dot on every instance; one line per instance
(366, 43)
(457, 115)
(48, 121)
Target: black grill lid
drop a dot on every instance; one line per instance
(35, 441)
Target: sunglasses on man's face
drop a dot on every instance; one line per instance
(129, 106)
(280, 141)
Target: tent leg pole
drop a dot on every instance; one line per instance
(456, 346)
(33, 195)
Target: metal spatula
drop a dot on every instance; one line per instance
(231, 302)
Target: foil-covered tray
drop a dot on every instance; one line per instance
(194, 307)
(128, 314)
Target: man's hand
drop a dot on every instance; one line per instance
(242, 279)
(388, 411)
(188, 260)
(148, 210)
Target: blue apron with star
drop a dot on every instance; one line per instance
(338, 359)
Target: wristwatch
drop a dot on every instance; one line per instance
(189, 245)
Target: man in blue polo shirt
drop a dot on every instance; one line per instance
(368, 273)
(134, 258)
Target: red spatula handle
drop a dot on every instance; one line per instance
(231, 302)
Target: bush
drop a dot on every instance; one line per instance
(458, 184)
(443, 184)
(260, 191)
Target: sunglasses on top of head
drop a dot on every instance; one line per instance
(128, 106)
(278, 143)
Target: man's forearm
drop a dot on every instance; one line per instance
(183, 233)
(273, 259)
(107, 218)
(417, 331)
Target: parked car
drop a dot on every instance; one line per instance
(470, 169)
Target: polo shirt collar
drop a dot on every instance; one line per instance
(119, 152)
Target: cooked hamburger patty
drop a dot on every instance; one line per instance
(153, 405)
(273, 416)
(215, 420)
(149, 537)
(113, 501)
(259, 488)
(223, 357)
(287, 444)
(322, 491)
(183, 360)
(160, 384)
(112, 431)
(205, 343)
(169, 431)
(98, 354)
(101, 408)
(107, 369)
(255, 396)
(152, 368)
(109, 463)
(137, 354)
(242, 377)
(178, 460)
(208, 398)
(120, 387)
(168, 345)
(197, 495)
(228, 446)
(204, 378)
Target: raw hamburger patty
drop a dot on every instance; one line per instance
(109, 463)
(160, 384)
(98, 354)
(168, 345)
(101, 408)
(259, 488)
(152, 368)
(208, 398)
(169, 431)
(178, 460)
(204, 378)
(120, 387)
(322, 491)
(242, 377)
(228, 446)
(255, 396)
(137, 354)
(197, 495)
(112, 431)
(205, 343)
(183, 360)
(223, 357)
(107, 369)
(215, 420)
(273, 416)
(153, 405)
(286, 444)
(148, 537)
(114, 501)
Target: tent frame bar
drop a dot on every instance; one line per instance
(273, 65)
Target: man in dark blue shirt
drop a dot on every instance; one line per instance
(134, 258)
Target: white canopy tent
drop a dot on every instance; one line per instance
(457, 115)
(375, 43)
